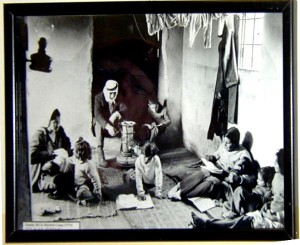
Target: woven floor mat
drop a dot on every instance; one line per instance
(215, 213)
(180, 157)
(116, 185)
(69, 209)
(165, 214)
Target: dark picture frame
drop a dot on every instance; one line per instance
(16, 141)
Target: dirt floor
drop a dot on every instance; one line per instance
(165, 214)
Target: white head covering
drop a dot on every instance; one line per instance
(110, 86)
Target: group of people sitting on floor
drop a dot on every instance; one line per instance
(59, 170)
(62, 172)
(242, 187)
(259, 207)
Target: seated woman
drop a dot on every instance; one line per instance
(271, 215)
(48, 147)
(236, 167)
(244, 201)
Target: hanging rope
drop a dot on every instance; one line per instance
(136, 24)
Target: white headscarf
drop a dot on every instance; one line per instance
(110, 86)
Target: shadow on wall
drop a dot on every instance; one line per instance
(40, 61)
(248, 142)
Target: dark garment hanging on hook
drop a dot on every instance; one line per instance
(225, 101)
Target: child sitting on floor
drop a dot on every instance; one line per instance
(87, 179)
(148, 171)
(244, 201)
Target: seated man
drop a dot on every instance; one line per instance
(271, 215)
(107, 112)
(160, 118)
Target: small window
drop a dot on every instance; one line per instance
(250, 41)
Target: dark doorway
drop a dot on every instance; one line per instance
(123, 51)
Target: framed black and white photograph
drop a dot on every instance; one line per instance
(149, 121)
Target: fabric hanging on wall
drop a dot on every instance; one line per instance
(157, 22)
(203, 21)
(225, 103)
(231, 75)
